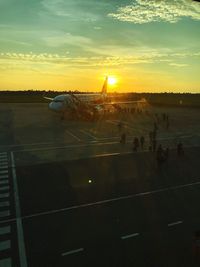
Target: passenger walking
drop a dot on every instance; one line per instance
(135, 144)
(155, 127)
(180, 151)
(160, 156)
(123, 138)
(142, 140)
(119, 126)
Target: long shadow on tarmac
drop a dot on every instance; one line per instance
(57, 185)
(98, 229)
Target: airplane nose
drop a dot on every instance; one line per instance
(55, 106)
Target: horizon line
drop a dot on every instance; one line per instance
(94, 92)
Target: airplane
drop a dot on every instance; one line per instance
(89, 106)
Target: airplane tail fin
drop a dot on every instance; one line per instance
(104, 88)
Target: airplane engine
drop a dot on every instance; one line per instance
(91, 113)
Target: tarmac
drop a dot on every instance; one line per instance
(72, 195)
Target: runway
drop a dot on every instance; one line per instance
(72, 195)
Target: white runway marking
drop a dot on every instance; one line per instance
(3, 172)
(4, 204)
(177, 134)
(3, 182)
(104, 155)
(20, 233)
(4, 195)
(89, 134)
(100, 142)
(4, 245)
(3, 156)
(6, 262)
(72, 252)
(3, 166)
(127, 125)
(4, 213)
(78, 139)
(112, 200)
(107, 138)
(68, 146)
(174, 223)
(3, 188)
(3, 177)
(3, 160)
(4, 230)
(28, 144)
(129, 236)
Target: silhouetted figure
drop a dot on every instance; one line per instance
(160, 155)
(123, 138)
(119, 126)
(155, 127)
(180, 151)
(142, 140)
(154, 143)
(135, 144)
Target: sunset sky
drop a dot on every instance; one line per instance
(148, 45)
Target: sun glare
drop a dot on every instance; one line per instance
(112, 80)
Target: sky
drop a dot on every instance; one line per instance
(147, 45)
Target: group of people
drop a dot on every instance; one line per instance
(162, 154)
(131, 110)
(163, 118)
(138, 143)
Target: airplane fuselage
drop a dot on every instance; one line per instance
(85, 105)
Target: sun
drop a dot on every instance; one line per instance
(112, 80)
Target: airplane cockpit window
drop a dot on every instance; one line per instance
(58, 101)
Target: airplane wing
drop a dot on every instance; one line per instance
(126, 102)
(123, 102)
(48, 98)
